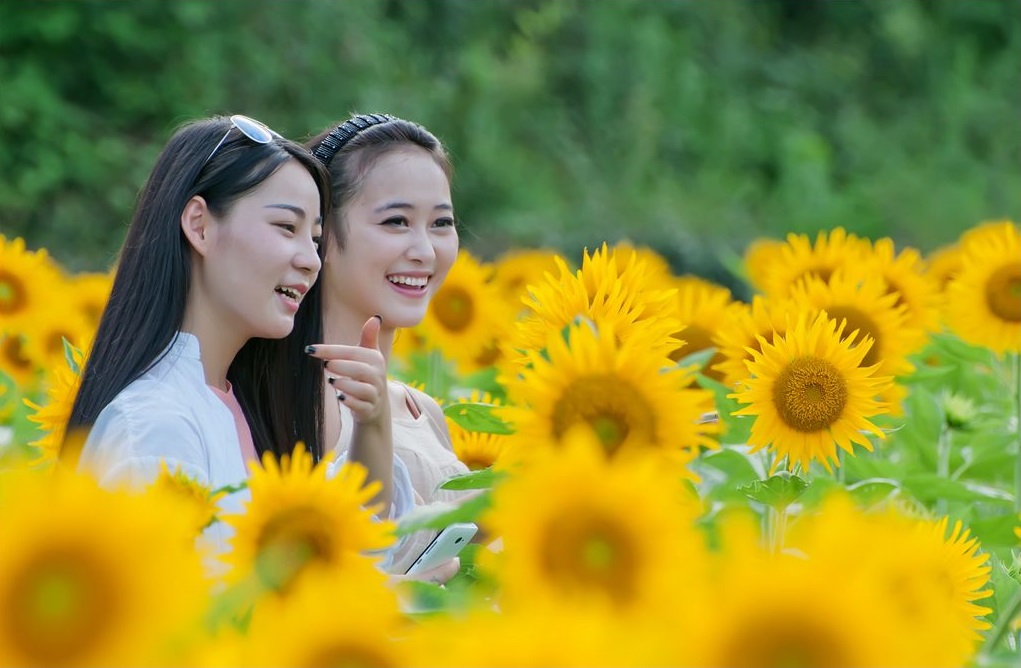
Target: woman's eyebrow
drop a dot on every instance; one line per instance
(297, 210)
(406, 205)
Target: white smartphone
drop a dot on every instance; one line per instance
(446, 545)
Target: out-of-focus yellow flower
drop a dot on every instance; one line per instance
(515, 270)
(759, 259)
(27, 280)
(15, 363)
(703, 308)
(774, 609)
(742, 329)
(928, 579)
(905, 276)
(196, 499)
(810, 393)
(52, 417)
(983, 301)
(298, 520)
(581, 529)
(93, 577)
(943, 264)
(346, 617)
(90, 292)
(463, 314)
(623, 393)
(799, 258)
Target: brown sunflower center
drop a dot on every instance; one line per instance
(454, 308)
(798, 643)
(13, 295)
(865, 325)
(59, 607)
(348, 655)
(12, 354)
(290, 540)
(1003, 292)
(586, 553)
(698, 338)
(613, 408)
(809, 394)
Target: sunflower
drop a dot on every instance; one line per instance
(477, 450)
(462, 315)
(743, 328)
(15, 363)
(93, 577)
(90, 293)
(584, 637)
(297, 519)
(26, 283)
(942, 264)
(582, 530)
(621, 299)
(657, 268)
(809, 393)
(904, 274)
(863, 301)
(331, 618)
(929, 580)
(703, 308)
(759, 259)
(626, 394)
(774, 610)
(983, 301)
(52, 417)
(44, 340)
(199, 500)
(799, 258)
(514, 271)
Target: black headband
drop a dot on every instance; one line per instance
(343, 133)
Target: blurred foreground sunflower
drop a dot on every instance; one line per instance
(299, 519)
(809, 394)
(93, 577)
(27, 279)
(580, 529)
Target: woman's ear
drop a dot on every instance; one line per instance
(195, 222)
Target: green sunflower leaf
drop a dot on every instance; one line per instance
(482, 479)
(439, 515)
(778, 491)
(477, 417)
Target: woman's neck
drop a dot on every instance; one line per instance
(217, 348)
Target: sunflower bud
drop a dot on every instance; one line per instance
(959, 411)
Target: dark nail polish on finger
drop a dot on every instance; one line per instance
(330, 380)
(378, 317)
(341, 396)
(310, 349)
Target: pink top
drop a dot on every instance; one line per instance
(240, 423)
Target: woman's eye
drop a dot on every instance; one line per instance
(396, 220)
(286, 226)
(444, 222)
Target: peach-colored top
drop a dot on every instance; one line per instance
(248, 452)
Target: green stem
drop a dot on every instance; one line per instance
(1017, 431)
(943, 451)
(1003, 623)
(777, 518)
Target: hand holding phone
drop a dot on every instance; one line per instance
(447, 544)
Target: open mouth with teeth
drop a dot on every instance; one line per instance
(290, 293)
(409, 282)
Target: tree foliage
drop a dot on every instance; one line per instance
(688, 126)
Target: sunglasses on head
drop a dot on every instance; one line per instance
(249, 127)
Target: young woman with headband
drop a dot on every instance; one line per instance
(391, 242)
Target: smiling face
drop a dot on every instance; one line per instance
(261, 256)
(399, 242)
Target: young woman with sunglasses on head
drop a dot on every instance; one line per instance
(195, 363)
(391, 242)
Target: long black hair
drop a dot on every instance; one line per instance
(278, 386)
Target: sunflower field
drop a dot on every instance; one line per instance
(826, 474)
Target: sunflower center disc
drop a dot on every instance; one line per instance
(586, 553)
(809, 394)
(289, 541)
(59, 607)
(611, 408)
(12, 294)
(1003, 293)
(865, 325)
(455, 309)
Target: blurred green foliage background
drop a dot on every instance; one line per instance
(690, 126)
